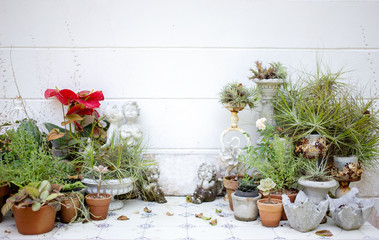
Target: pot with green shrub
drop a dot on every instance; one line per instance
(245, 199)
(34, 208)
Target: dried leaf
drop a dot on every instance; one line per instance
(188, 199)
(136, 212)
(54, 134)
(218, 210)
(200, 215)
(147, 210)
(206, 218)
(6, 231)
(213, 222)
(221, 215)
(122, 218)
(72, 118)
(324, 233)
(169, 214)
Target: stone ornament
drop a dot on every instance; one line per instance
(152, 191)
(206, 190)
(350, 212)
(304, 215)
(114, 116)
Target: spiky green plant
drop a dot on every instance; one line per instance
(237, 95)
(275, 71)
(316, 170)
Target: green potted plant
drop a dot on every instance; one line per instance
(270, 210)
(71, 200)
(98, 203)
(34, 208)
(245, 199)
(235, 96)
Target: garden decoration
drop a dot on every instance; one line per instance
(98, 203)
(351, 172)
(304, 215)
(151, 190)
(270, 210)
(206, 190)
(350, 212)
(131, 132)
(313, 146)
(268, 81)
(114, 117)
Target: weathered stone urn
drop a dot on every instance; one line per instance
(317, 191)
(245, 208)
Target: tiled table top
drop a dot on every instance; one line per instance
(181, 225)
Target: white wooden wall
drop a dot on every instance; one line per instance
(173, 57)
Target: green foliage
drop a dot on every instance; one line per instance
(238, 95)
(316, 170)
(247, 184)
(275, 71)
(72, 186)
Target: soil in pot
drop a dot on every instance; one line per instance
(270, 213)
(4, 193)
(29, 222)
(69, 209)
(278, 195)
(231, 184)
(98, 207)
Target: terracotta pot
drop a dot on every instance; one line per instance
(69, 209)
(29, 222)
(270, 213)
(98, 207)
(231, 184)
(292, 197)
(4, 192)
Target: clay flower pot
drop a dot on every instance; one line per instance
(98, 207)
(29, 222)
(231, 184)
(270, 213)
(69, 209)
(292, 197)
(4, 192)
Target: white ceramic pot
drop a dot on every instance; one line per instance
(340, 162)
(317, 191)
(113, 187)
(245, 208)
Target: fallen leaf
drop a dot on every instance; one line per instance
(213, 222)
(122, 218)
(218, 210)
(221, 215)
(6, 231)
(136, 212)
(147, 210)
(188, 199)
(206, 218)
(324, 233)
(169, 214)
(200, 215)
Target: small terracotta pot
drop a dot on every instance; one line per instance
(29, 222)
(292, 197)
(231, 185)
(98, 207)
(270, 213)
(69, 209)
(4, 192)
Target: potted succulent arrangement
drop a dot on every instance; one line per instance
(98, 203)
(245, 199)
(270, 210)
(34, 208)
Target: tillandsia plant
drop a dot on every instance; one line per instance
(238, 95)
(316, 170)
(34, 195)
(275, 71)
(265, 186)
(101, 170)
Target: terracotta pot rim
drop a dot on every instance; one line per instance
(103, 194)
(272, 200)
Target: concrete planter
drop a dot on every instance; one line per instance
(340, 162)
(317, 191)
(245, 208)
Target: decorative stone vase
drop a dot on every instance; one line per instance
(98, 207)
(269, 89)
(69, 209)
(231, 184)
(270, 213)
(340, 162)
(245, 208)
(234, 110)
(317, 191)
(29, 222)
(312, 146)
(303, 215)
(4, 192)
(113, 187)
(350, 212)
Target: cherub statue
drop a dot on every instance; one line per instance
(151, 191)
(206, 189)
(131, 132)
(115, 117)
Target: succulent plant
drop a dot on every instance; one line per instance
(276, 70)
(34, 195)
(238, 95)
(247, 184)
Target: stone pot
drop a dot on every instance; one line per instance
(113, 187)
(270, 213)
(69, 209)
(29, 222)
(317, 191)
(231, 184)
(313, 146)
(245, 208)
(4, 192)
(303, 215)
(98, 207)
(340, 162)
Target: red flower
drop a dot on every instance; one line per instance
(65, 96)
(90, 99)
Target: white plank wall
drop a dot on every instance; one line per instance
(173, 57)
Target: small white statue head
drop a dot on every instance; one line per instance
(113, 114)
(131, 110)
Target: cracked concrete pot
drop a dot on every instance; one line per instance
(304, 215)
(350, 212)
(245, 208)
(317, 191)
